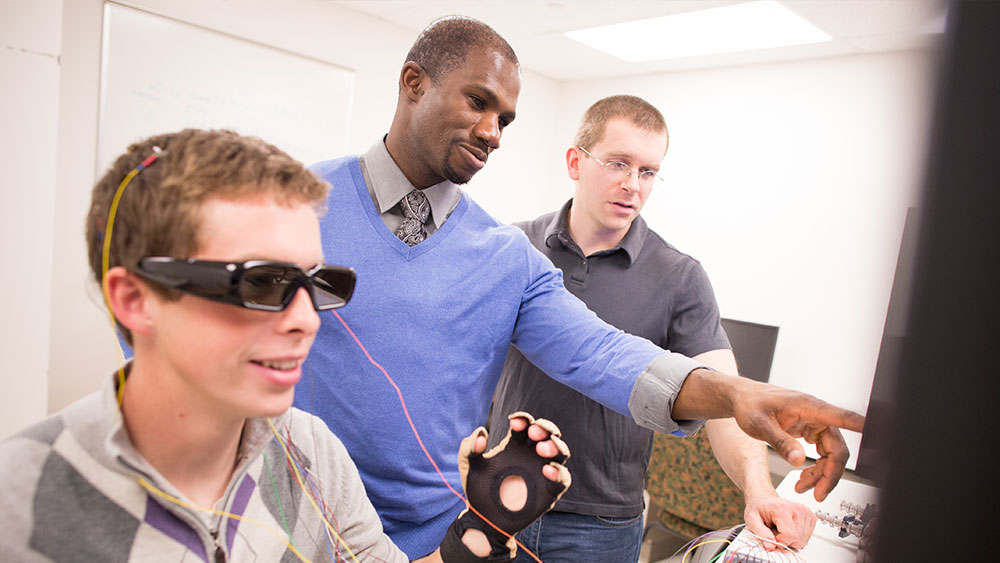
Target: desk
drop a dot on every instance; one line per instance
(825, 546)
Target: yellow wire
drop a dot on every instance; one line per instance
(105, 264)
(108, 228)
(146, 485)
(295, 471)
(694, 547)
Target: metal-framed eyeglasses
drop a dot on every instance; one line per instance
(618, 171)
(263, 285)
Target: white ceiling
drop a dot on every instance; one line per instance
(535, 29)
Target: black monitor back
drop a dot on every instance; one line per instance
(753, 346)
(942, 489)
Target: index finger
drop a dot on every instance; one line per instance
(537, 433)
(837, 417)
(518, 423)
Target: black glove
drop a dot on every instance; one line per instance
(482, 475)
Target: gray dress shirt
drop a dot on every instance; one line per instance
(388, 186)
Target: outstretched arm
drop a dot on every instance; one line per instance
(778, 416)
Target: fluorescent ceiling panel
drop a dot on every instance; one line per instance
(740, 27)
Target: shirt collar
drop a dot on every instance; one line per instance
(118, 444)
(558, 227)
(389, 185)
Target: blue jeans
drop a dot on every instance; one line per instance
(562, 537)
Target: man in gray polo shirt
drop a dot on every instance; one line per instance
(635, 281)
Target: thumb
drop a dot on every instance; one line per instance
(792, 451)
(788, 447)
(479, 446)
(473, 443)
(757, 526)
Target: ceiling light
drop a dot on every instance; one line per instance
(740, 27)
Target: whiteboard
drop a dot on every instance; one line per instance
(160, 75)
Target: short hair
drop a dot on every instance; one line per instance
(632, 108)
(444, 44)
(158, 213)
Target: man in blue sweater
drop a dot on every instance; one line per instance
(447, 289)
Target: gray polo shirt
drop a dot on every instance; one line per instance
(645, 287)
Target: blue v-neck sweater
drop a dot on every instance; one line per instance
(439, 317)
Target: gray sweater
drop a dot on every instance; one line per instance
(72, 490)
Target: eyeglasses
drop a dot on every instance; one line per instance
(618, 171)
(256, 284)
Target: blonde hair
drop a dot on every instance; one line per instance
(632, 108)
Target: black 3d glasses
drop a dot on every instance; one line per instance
(256, 284)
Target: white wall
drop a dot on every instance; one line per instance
(83, 349)
(29, 67)
(788, 181)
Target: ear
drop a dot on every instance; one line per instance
(573, 163)
(412, 81)
(129, 299)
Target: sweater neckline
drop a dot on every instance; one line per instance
(405, 251)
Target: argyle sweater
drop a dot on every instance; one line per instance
(439, 317)
(71, 492)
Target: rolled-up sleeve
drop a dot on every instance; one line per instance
(656, 389)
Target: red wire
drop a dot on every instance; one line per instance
(416, 434)
(149, 160)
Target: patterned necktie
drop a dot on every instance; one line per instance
(416, 209)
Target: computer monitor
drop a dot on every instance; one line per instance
(940, 497)
(753, 346)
